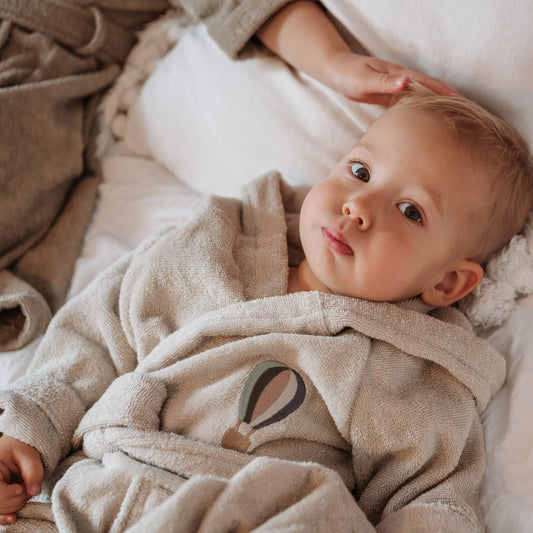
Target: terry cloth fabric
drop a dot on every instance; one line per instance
(56, 57)
(231, 24)
(203, 394)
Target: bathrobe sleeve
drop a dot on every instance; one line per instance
(232, 23)
(450, 505)
(418, 449)
(83, 351)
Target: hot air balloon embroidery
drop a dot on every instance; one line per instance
(272, 392)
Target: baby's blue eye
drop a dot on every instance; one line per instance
(410, 211)
(360, 172)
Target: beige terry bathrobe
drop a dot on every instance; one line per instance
(204, 398)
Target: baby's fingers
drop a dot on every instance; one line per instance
(12, 498)
(31, 469)
(5, 473)
(6, 519)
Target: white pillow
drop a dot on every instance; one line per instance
(217, 123)
(483, 48)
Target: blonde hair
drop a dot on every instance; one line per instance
(502, 155)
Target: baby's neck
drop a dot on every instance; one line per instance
(293, 284)
(301, 279)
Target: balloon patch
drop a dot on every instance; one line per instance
(272, 392)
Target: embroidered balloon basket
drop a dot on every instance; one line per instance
(271, 393)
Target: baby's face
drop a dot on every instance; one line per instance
(390, 219)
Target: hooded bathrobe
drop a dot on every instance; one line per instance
(203, 397)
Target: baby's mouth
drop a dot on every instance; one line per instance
(336, 241)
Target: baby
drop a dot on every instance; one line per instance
(411, 211)
(220, 373)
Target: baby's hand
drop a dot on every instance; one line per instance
(18, 461)
(374, 81)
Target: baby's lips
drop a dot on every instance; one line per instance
(336, 242)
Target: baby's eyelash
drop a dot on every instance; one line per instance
(412, 212)
(359, 170)
(354, 161)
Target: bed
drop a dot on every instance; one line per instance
(184, 120)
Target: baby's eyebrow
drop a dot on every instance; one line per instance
(364, 144)
(436, 197)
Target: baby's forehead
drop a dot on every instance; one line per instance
(420, 145)
(409, 122)
(465, 132)
(414, 131)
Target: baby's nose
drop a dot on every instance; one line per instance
(359, 213)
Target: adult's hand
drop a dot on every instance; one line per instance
(304, 36)
(374, 81)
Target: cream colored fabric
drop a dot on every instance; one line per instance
(154, 359)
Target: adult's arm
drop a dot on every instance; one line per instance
(305, 37)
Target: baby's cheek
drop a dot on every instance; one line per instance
(393, 270)
(390, 261)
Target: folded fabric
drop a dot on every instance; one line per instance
(56, 58)
(24, 313)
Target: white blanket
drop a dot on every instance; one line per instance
(215, 124)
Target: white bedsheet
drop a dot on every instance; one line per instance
(137, 198)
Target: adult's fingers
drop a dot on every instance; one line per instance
(377, 88)
(391, 84)
(434, 84)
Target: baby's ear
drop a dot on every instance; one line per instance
(455, 285)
